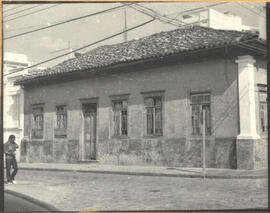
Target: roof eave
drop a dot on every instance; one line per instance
(193, 51)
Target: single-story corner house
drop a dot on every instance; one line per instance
(141, 102)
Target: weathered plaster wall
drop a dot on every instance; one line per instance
(260, 146)
(177, 147)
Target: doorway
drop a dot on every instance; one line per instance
(89, 131)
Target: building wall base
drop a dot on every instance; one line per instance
(251, 153)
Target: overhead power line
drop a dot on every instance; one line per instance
(86, 46)
(13, 8)
(165, 18)
(29, 8)
(28, 27)
(195, 10)
(37, 11)
(198, 8)
(251, 10)
(156, 15)
(258, 7)
(34, 26)
(64, 22)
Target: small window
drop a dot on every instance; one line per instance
(153, 107)
(37, 121)
(15, 110)
(61, 121)
(200, 102)
(263, 108)
(120, 117)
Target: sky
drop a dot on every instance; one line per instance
(46, 44)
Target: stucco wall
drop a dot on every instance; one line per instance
(177, 146)
(260, 146)
(13, 112)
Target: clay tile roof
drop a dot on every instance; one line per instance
(153, 46)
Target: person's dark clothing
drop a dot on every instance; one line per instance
(9, 149)
(11, 162)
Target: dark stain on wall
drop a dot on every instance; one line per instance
(73, 151)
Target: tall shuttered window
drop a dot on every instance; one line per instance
(15, 110)
(120, 118)
(61, 121)
(262, 88)
(37, 121)
(200, 102)
(153, 107)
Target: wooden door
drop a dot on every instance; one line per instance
(89, 136)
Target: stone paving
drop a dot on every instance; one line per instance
(81, 191)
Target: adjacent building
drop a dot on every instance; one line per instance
(141, 102)
(13, 68)
(209, 17)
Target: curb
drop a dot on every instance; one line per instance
(209, 176)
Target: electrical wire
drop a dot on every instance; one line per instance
(37, 11)
(64, 22)
(256, 6)
(244, 44)
(173, 21)
(28, 27)
(156, 15)
(13, 8)
(199, 8)
(29, 8)
(86, 46)
(248, 8)
(40, 25)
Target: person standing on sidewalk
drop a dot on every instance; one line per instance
(10, 148)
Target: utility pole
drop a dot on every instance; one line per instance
(125, 24)
(70, 50)
(203, 143)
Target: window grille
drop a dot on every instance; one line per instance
(120, 117)
(200, 102)
(61, 121)
(154, 115)
(37, 121)
(262, 88)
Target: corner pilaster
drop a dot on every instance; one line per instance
(247, 113)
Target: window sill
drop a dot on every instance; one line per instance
(60, 136)
(60, 133)
(13, 129)
(152, 136)
(120, 137)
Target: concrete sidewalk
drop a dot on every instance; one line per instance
(147, 170)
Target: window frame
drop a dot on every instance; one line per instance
(34, 131)
(16, 97)
(61, 132)
(201, 105)
(153, 94)
(262, 89)
(120, 98)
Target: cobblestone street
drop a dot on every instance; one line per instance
(82, 191)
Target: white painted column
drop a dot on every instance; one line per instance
(246, 90)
